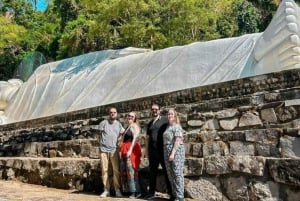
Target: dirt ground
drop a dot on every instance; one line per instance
(17, 191)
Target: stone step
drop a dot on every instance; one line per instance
(84, 173)
(68, 148)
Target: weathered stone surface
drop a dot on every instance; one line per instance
(195, 123)
(249, 119)
(293, 132)
(273, 96)
(217, 165)
(188, 149)
(229, 124)
(206, 136)
(260, 191)
(217, 148)
(58, 172)
(242, 148)
(290, 147)
(296, 124)
(285, 171)
(227, 113)
(232, 136)
(197, 150)
(263, 136)
(267, 150)
(192, 136)
(193, 166)
(247, 164)
(292, 195)
(208, 115)
(211, 124)
(286, 114)
(204, 189)
(237, 188)
(268, 115)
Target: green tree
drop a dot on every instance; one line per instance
(247, 16)
(10, 45)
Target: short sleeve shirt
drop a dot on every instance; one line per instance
(171, 132)
(109, 132)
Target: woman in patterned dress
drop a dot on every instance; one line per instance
(131, 157)
(174, 155)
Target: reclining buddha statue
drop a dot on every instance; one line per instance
(109, 76)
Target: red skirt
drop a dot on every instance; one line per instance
(135, 155)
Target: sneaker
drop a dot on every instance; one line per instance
(138, 195)
(118, 193)
(132, 196)
(104, 194)
(150, 197)
(135, 195)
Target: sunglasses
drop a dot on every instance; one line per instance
(131, 116)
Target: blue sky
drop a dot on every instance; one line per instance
(42, 5)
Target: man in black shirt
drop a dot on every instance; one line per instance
(154, 149)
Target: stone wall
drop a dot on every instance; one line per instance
(242, 141)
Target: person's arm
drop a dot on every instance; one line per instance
(147, 140)
(120, 137)
(135, 131)
(101, 128)
(146, 146)
(177, 142)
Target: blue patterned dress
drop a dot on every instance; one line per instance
(175, 167)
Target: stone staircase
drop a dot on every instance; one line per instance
(242, 141)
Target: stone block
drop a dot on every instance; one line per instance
(260, 191)
(249, 119)
(268, 115)
(211, 124)
(52, 153)
(229, 113)
(30, 149)
(193, 166)
(267, 150)
(217, 148)
(247, 164)
(289, 147)
(232, 136)
(286, 114)
(204, 188)
(188, 149)
(236, 188)
(285, 171)
(217, 165)
(241, 148)
(195, 123)
(85, 150)
(197, 150)
(207, 136)
(263, 136)
(229, 124)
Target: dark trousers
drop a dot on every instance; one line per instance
(155, 158)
